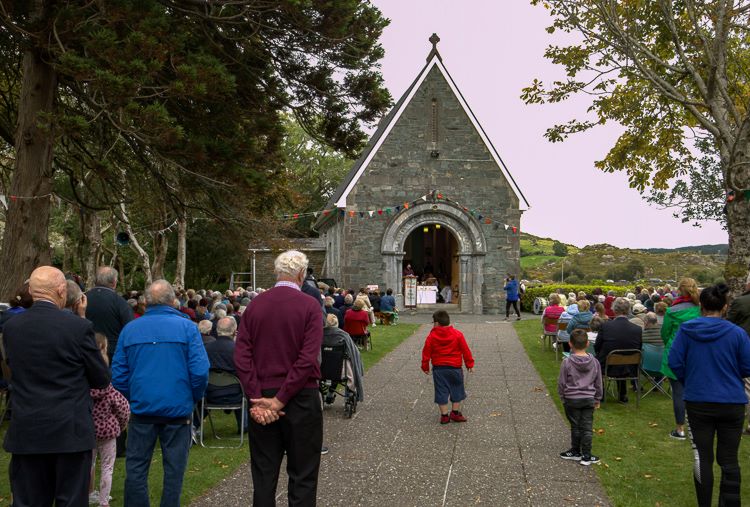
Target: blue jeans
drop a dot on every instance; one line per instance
(678, 405)
(175, 447)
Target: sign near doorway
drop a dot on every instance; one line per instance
(410, 291)
(372, 288)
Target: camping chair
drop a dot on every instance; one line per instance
(552, 335)
(222, 379)
(561, 326)
(651, 369)
(623, 357)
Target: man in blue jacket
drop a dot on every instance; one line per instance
(161, 367)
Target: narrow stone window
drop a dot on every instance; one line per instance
(434, 130)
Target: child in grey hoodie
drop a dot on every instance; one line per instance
(580, 388)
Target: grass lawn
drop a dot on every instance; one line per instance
(534, 261)
(207, 467)
(641, 465)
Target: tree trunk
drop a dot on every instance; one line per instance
(91, 247)
(143, 256)
(161, 245)
(67, 235)
(738, 222)
(179, 277)
(25, 240)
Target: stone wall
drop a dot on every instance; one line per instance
(403, 170)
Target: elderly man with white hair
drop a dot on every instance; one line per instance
(277, 360)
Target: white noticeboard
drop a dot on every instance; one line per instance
(410, 291)
(426, 295)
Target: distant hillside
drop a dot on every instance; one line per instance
(606, 262)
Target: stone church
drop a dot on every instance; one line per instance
(429, 191)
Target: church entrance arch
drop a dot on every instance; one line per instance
(469, 249)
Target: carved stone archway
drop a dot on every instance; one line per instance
(472, 248)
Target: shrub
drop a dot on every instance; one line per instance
(559, 249)
(543, 291)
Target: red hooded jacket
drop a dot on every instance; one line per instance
(446, 346)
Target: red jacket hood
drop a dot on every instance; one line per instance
(446, 346)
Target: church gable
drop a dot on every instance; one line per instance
(431, 139)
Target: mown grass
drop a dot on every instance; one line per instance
(207, 467)
(641, 465)
(535, 261)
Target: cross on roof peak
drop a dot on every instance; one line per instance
(434, 39)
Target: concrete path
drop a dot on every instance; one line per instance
(394, 452)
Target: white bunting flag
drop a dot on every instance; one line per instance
(506, 226)
(4, 201)
(316, 214)
(371, 213)
(424, 198)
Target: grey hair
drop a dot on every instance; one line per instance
(651, 320)
(73, 294)
(290, 264)
(220, 314)
(610, 293)
(329, 301)
(332, 320)
(621, 306)
(205, 326)
(106, 276)
(226, 326)
(160, 292)
(348, 299)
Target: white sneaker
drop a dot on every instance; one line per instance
(94, 497)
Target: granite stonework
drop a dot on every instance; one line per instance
(364, 250)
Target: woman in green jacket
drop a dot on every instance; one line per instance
(685, 307)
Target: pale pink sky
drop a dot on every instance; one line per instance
(493, 48)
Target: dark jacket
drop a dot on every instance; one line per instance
(739, 312)
(710, 357)
(278, 344)
(109, 313)
(615, 334)
(55, 362)
(221, 357)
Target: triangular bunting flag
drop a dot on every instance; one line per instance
(286, 217)
(351, 213)
(388, 211)
(315, 214)
(296, 215)
(406, 205)
(487, 221)
(361, 214)
(515, 229)
(440, 196)
(380, 212)
(424, 198)
(398, 208)
(480, 217)
(506, 226)
(371, 213)
(342, 212)
(325, 212)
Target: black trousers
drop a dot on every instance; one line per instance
(724, 422)
(300, 434)
(514, 304)
(580, 413)
(41, 480)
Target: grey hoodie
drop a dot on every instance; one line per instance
(580, 377)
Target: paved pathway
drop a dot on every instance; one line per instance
(394, 452)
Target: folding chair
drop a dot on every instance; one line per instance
(552, 335)
(623, 357)
(222, 379)
(651, 369)
(561, 326)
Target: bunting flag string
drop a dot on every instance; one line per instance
(386, 211)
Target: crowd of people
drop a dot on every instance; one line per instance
(704, 337)
(93, 371)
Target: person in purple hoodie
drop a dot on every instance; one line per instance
(580, 388)
(710, 356)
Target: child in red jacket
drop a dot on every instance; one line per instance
(448, 350)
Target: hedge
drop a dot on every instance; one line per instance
(543, 291)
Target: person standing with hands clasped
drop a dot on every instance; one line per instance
(709, 357)
(446, 347)
(580, 388)
(511, 296)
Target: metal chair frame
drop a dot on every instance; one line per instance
(552, 335)
(651, 367)
(223, 379)
(623, 357)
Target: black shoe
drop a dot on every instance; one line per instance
(571, 455)
(623, 399)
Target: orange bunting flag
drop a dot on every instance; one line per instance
(351, 214)
(406, 205)
(487, 221)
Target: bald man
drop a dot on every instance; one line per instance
(55, 361)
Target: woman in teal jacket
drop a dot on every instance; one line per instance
(686, 307)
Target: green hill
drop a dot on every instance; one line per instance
(607, 262)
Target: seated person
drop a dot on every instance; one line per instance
(356, 321)
(333, 334)
(332, 310)
(388, 305)
(553, 311)
(639, 314)
(221, 358)
(660, 309)
(566, 317)
(204, 327)
(582, 319)
(652, 330)
(619, 333)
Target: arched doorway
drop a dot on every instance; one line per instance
(467, 259)
(432, 252)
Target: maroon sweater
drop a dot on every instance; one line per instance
(278, 344)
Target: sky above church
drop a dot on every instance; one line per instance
(494, 48)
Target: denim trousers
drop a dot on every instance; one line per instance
(678, 405)
(720, 423)
(580, 413)
(175, 447)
